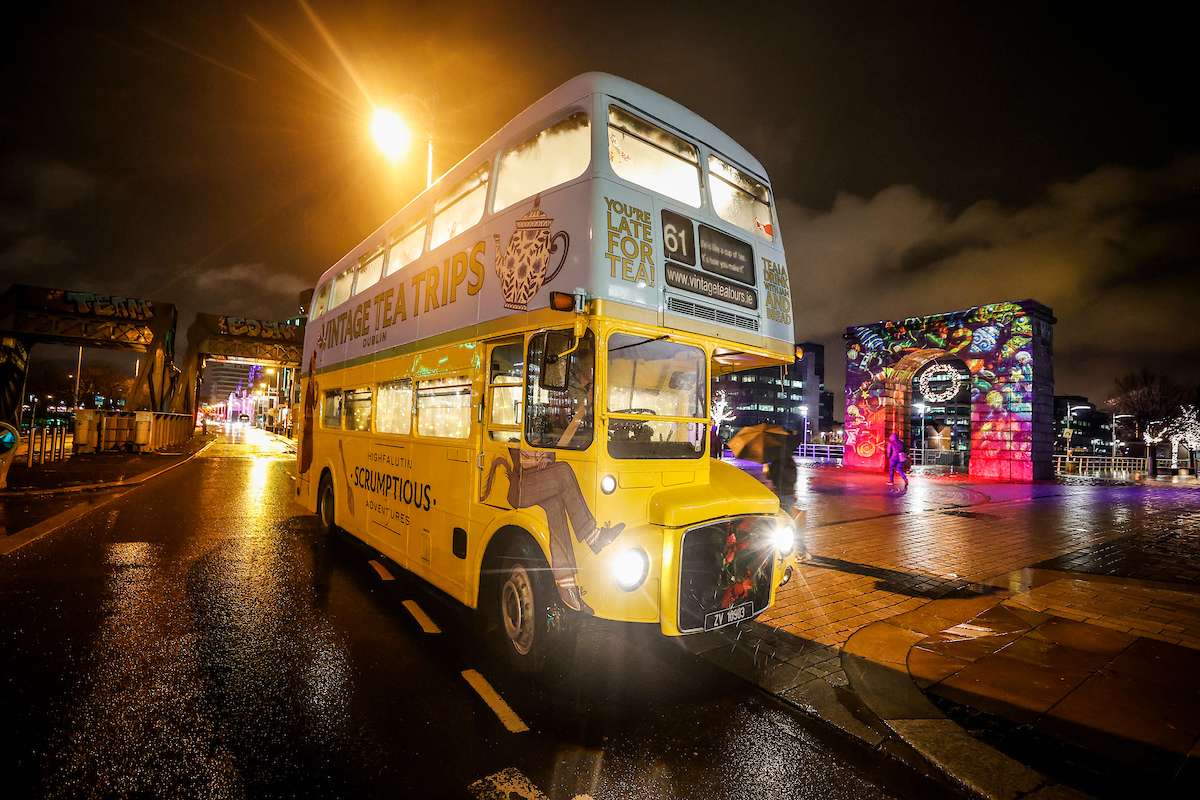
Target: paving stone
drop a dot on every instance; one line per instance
(1010, 688)
(927, 668)
(1133, 721)
(883, 642)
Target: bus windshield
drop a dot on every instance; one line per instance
(649, 379)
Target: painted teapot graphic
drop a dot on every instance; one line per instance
(522, 267)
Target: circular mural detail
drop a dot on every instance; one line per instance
(940, 371)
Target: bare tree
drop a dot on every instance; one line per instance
(1151, 399)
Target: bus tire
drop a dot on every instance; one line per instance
(524, 606)
(326, 505)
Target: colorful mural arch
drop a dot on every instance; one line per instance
(1007, 348)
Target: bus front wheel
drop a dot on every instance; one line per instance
(526, 610)
(325, 505)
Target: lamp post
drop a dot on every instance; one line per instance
(1114, 437)
(920, 407)
(1070, 430)
(804, 413)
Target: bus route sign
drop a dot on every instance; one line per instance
(726, 256)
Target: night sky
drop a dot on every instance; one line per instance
(925, 156)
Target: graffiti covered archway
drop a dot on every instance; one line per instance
(1007, 349)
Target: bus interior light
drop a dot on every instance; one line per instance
(630, 568)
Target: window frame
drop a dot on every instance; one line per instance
(538, 131)
(410, 227)
(484, 185)
(611, 103)
(466, 383)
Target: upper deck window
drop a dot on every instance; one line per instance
(342, 285)
(321, 303)
(645, 154)
(740, 199)
(544, 160)
(407, 246)
(459, 208)
(369, 272)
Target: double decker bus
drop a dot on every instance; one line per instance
(506, 386)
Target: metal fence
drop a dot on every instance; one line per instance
(925, 457)
(821, 452)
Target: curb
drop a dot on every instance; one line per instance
(92, 487)
(864, 690)
(23, 537)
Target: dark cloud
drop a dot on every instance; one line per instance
(1119, 273)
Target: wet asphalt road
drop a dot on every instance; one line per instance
(196, 637)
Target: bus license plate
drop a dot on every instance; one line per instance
(728, 616)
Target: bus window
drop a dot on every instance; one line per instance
(321, 303)
(504, 388)
(740, 199)
(369, 272)
(649, 156)
(342, 285)
(650, 378)
(358, 409)
(556, 155)
(408, 245)
(444, 407)
(561, 419)
(332, 407)
(394, 411)
(459, 208)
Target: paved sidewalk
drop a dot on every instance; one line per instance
(1022, 639)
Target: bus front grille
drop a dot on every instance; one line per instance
(681, 306)
(725, 566)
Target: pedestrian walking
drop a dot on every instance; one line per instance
(897, 458)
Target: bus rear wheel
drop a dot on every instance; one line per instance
(527, 617)
(326, 503)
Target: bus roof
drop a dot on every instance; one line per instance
(645, 100)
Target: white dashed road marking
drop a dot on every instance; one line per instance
(510, 784)
(502, 710)
(427, 625)
(382, 570)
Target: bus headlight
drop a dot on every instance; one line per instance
(630, 568)
(608, 484)
(785, 538)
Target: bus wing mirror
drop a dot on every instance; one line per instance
(555, 357)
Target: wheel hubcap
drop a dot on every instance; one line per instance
(516, 607)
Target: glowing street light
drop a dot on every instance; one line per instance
(394, 136)
(391, 135)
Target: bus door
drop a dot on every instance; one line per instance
(502, 418)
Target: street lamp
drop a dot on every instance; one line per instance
(1114, 437)
(804, 413)
(920, 407)
(393, 135)
(1070, 430)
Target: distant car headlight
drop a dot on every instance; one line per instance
(608, 484)
(630, 568)
(785, 538)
